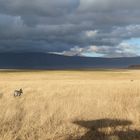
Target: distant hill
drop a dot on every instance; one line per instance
(53, 61)
(134, 66)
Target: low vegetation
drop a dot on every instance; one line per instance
(70, 105)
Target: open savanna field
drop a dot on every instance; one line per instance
(70, 105)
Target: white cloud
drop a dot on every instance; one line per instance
(122, 50)
(91, 34)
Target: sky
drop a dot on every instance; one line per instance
(95, 28)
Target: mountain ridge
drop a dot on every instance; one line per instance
(37, 60)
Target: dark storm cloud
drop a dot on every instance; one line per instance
(38, 7)
(63, 25)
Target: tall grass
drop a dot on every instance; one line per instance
(67, 105)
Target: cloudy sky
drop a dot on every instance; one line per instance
(106, 28)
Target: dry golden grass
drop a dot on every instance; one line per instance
(70, 105)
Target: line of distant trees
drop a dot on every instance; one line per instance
(134, 66)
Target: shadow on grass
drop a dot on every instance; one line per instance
(1, 95)
(108, 129)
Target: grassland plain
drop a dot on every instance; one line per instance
(70, 105)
